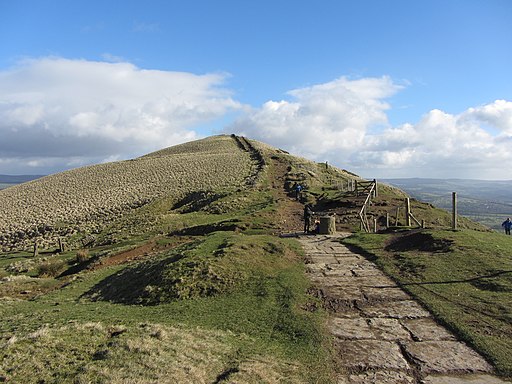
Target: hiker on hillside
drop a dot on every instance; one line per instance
(507, 224)
(308, 214)
(298, 189)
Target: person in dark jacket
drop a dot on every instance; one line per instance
(308, 214)
(298, 188)
(507, 224)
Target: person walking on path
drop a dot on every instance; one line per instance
(507, 224)
(308, 214)
(298, 189)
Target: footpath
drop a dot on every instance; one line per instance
(381, 334)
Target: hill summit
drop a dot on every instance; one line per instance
(77, 205)
(84, 199)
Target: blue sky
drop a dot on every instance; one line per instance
(381, 88)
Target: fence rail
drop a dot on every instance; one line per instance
(370, 189)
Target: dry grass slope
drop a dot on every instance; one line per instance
(74, 199)
(164, 354)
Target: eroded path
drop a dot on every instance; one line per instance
(382, 335)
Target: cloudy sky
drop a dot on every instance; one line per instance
(385, 89)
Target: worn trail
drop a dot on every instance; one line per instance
(382, 335)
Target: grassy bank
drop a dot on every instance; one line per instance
(229, 307)
(463, 277)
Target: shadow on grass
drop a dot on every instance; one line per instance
(133, 285)
(419, 241)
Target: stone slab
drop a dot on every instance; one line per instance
(427, 330)
(323, 281)
(347, 292)
(466, 379)
(378, 281)
(350, 328)
(326, 259)
(348, 313)
(446, 357)
(315, 268)
(405, 309)
(338, 248)
(347, 262)
(366, 282)
(385, 294)
(344, 254)
(339, 281)
(388, 329)
(338, 272)
(378, 377)
(315, 251)
(371, 354)
(366, 271)
(363, 270)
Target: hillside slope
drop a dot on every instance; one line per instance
(190, 286)
(173, 271)
(83, 199)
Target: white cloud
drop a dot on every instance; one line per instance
(337, 121)
(78, 111)
(57, 113)
(439, 145)
(323, 118)
(497, 114)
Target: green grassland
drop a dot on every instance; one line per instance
(210, 296)
(175, 276)
(229, 302)
(463, 277)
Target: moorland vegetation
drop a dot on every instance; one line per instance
(173, 269)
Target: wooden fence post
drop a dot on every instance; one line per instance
(35, 249)
(454, 210)
(407, 212)
(62, 246)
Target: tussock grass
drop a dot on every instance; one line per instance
(51, 267)
(463, 277)
(91, 352)
(82, 255)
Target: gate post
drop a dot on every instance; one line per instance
(407, 212)
(454, 210)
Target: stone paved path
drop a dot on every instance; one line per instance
(382, 335)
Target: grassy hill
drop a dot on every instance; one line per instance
(171, 273)
(173, 270)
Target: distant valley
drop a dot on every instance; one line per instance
(10, 180)
(486, 201)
